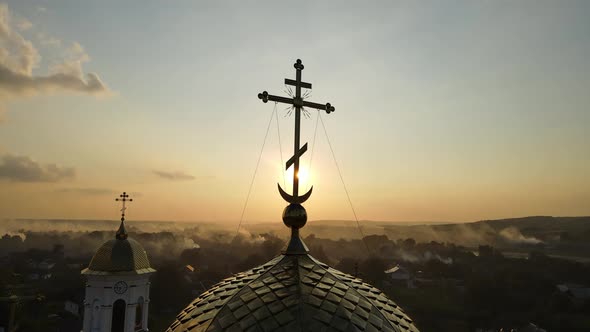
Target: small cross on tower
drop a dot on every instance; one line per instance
(298, 102)
(123, 198)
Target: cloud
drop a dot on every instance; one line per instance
(24, 169)
(86, 191)
(175, 176)
(24, 24)
(48, 41)
(13, 83)
(16, 52)
(19, 57)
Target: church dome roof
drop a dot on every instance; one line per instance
(292, 293)
(119, 255)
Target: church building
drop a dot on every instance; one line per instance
(117, 284)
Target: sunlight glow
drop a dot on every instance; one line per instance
(304, 177)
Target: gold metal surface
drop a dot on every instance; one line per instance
(119, 255)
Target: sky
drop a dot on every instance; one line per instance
(445, 111)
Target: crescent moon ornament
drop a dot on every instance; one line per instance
(293, 199)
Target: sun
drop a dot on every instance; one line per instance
(303, 175)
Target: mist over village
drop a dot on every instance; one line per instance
(294, 166)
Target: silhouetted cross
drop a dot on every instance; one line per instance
(123, 198)
(298, 103)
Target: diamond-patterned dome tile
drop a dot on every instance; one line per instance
(284, 317)
(241, 312)
(269, 297)
(329, 307)
(292, 299)
(359, 322)
(314, 301)
(247, 322)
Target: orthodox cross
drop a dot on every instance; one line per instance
(123, 198)
(297, 102)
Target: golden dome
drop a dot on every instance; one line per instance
(292, 293)
(119, 255)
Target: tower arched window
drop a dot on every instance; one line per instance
(118, 322)
(139, 314)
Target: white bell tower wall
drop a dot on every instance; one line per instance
(101, 293)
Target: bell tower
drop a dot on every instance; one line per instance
(117, 284)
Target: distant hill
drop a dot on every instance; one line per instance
(542, 223)
(500, 232)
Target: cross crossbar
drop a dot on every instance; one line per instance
(295, 83)
(291, 160)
